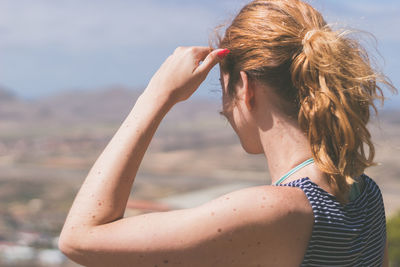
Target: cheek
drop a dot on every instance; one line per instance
(231, 114)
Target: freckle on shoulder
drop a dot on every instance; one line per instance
(284, 196)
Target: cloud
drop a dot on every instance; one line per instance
(56, 45)
(94, 24)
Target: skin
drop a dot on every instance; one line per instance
(256, 226)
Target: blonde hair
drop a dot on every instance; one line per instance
(324, 78)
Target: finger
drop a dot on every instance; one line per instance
(179, 49)
(200, 53)
(211, 60)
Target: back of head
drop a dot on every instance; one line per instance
(323, 77)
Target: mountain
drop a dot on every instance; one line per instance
(106, 104)
(12, 108)
(98, 114)
(109, 104)
(6, 95)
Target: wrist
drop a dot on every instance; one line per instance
(152, 98)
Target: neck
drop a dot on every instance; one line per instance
(285, 146)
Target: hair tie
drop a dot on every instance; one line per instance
(308, 36)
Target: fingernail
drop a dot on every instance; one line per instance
(222, 54)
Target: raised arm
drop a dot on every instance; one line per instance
(241, 228)
(103, 196)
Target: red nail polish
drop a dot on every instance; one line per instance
(222, 54)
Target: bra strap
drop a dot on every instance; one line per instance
(295, 169)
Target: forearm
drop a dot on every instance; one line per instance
(105, 191)
(103, 196)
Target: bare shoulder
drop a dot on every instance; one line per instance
(265, 203)
(256, 226)
(274, 223)
(285, 217)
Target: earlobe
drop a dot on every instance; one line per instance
(248, 91)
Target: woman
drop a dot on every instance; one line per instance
(294, 90)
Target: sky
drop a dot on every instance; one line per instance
(48, 46)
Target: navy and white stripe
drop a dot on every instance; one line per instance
(350, 235)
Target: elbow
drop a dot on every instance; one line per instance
(67, 246)
(72, 248)
(79, 246)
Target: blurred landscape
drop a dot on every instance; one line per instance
(47, 147)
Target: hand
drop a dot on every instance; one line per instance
(181, 74)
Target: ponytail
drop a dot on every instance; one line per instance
(336, 87)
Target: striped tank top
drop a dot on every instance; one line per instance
(350, 235)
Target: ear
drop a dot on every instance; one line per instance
(247, 89)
